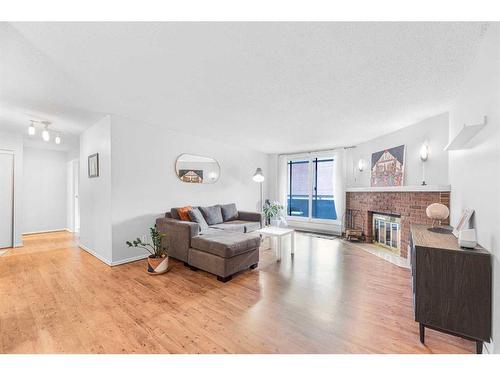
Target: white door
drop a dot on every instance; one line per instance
(6, 198)
(76, 202)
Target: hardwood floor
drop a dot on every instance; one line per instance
(331, 298)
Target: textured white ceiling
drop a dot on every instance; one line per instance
(274, 87)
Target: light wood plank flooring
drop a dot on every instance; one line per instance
(331, 298)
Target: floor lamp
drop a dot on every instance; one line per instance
(258, 176)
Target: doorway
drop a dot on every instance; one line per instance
(73, 202)
(76, 200)
(6, 199)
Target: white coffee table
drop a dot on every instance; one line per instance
(279, 233)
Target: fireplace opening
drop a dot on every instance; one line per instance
(387, 231)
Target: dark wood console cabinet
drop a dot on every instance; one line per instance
(451, 286)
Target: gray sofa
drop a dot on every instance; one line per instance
(222, 244)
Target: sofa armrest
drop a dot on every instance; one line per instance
(178, 236)
(250, 216)
(165, 225)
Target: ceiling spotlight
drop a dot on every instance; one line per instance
(57, 139)
(31, 129)
(45, 134)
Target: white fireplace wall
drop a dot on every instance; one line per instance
(433, 130)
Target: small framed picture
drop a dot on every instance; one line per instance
(463, 223)
(93, 165)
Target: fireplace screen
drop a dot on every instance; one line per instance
(387, 231)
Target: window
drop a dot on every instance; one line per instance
(310, 188)
(298, 188)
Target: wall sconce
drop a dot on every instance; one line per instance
(361, 165)
(424, 152)
(424, 155)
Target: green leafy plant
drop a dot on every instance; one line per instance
(155, 248)
(272, 210)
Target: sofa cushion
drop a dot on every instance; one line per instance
(183, 213)
(225, 244)
(196, 216)
(229, 212)
(230, 226)
(212, 214)
(173, 212)
(250, 226)
(241, 226)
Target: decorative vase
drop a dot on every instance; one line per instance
(275, 222)
(157, 266)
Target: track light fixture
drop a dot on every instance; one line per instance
(45, 131)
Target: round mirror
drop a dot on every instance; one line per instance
(196, 169)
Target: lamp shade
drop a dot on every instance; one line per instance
(258, 176)
(437, 211)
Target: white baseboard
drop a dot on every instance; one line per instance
(330, 228)
(109, 262)
(128, 260)
(92, 252)
(47, 231)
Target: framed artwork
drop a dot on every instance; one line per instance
(93, 165)
(463, 223)
(388, 167)
(194, 176)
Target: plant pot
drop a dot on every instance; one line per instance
(157, 266)
(275, 222)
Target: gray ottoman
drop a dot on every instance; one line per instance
(224, 253)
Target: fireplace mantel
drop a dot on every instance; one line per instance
(400, 189)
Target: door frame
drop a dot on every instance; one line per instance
(13, 213)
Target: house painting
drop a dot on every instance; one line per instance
(388, 167)
(193, 176)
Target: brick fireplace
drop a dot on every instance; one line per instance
(408, 205)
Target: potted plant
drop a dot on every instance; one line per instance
(158, 260)
(272, 211)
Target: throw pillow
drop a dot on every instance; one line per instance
(196, 216)
(183, 213)
(212, 214)
(229, 212)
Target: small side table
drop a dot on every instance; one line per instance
(279, 233)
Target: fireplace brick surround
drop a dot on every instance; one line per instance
(410, 206)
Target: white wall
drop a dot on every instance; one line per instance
(474, 172)
(145, 184)
(14, 142)
(95, 193)
(433, 130)
(44, 194)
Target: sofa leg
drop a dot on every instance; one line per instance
(193, 268)
(254, 266)
(224, 279)
(186, 264)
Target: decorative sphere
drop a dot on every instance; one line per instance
(437, 211)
